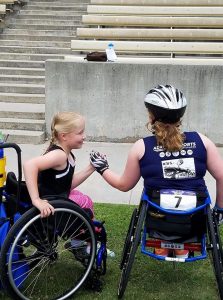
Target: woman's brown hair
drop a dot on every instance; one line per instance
(169, 136)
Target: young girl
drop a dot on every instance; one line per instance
(53, 172)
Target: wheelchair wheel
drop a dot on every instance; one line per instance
(130, 255)
(129, 237)
(38, 260)
(215, 251)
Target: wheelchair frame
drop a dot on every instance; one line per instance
(137, 233)
(34, 252)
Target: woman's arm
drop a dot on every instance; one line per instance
(131, 174)
(81, 176)
(215, 167)
(31, 169)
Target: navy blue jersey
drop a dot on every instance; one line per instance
(184, 169)
(56, 182)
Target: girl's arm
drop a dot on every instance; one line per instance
(81, 176)
(215, 167)
(131, 174)
(31, 169)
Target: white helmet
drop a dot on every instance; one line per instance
(166, 103)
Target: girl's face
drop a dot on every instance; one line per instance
(75, 138)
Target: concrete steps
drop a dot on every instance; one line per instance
(26, 37)
(34, 50)
(41, 30)
(23, 88)
(22, 98)
(22, 79)
(47, 22)
(30, 56)
(22, 64)
(25, 136)
(20, 43)
(22, 71)
(22, 111)
(39, 16)
(59, 7)
(22, 124)
(46, 27)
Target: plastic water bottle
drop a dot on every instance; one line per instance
(111, 55)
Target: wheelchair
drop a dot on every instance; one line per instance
(37, 257)
(153, 225)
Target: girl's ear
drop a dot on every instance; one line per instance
(62, 136)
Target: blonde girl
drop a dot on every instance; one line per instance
(53, 172)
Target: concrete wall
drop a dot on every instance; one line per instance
(111, 95)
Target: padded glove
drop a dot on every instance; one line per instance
(218, 213)
(99, 161)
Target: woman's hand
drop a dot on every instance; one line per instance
(99, 161)
(44, 207)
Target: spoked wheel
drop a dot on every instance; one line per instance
(218, 238)
(39, 259)
(130, 255)
(215, 251)
(129, 237)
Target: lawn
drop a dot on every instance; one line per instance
(150, 279)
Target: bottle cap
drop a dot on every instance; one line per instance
(110, 45)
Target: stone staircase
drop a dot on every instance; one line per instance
(40, 30)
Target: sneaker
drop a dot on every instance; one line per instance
(161, 252)
(79, 248)
(181, 253)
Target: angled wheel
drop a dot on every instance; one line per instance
(130, 255)
(129, 237)
(215, 250)
(36, 262)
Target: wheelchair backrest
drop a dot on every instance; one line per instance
(175, 224)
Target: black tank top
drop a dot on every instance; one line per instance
(56, 182)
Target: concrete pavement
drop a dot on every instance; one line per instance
(95, 186)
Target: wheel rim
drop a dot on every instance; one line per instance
(56, 269)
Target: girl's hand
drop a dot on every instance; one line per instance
(44, 207)
(99, 161)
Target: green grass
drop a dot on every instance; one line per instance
(150, 279)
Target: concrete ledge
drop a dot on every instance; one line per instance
(153, 21)
(149, 47)
(7, 1)
(159, 2)
(152, 60)
(111, 95)
(155, 10)
(150, 34)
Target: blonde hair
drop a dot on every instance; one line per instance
(64, 122)
(169, 136)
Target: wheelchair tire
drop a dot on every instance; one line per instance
(129, 237)
(129, 257)
(215, 251)
(35, 262)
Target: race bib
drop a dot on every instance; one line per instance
(177, 199)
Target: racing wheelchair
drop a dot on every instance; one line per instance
(173, 220)
(46, 258)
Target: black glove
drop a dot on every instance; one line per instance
(218, 213)
(99, 161)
